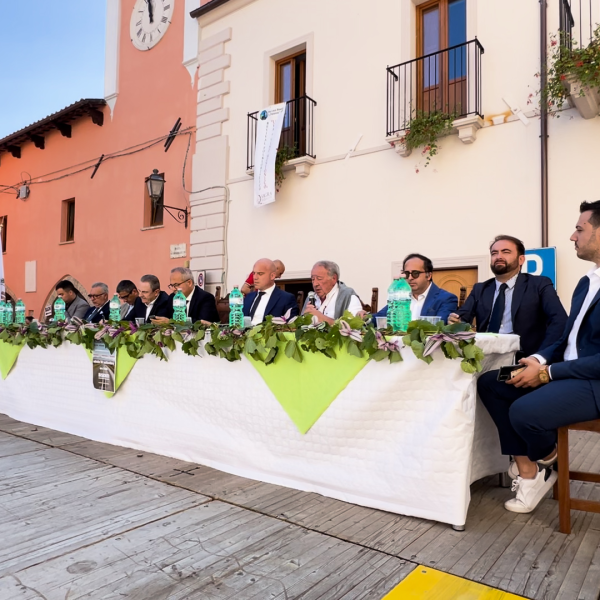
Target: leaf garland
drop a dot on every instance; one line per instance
(263, 342)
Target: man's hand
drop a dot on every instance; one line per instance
(453, 318)
(530, 377)
(207, 323)
(159, 320)
(315, 312)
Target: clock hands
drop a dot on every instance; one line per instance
(150, 10)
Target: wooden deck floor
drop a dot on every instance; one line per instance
(81, 519)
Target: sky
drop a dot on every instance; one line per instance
(51, 55)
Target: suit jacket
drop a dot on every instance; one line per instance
(439, 303)
(202, 307)
(160, 308)
(538, 316)
(94, 315)
(587, 365)
(279, 303)
(78, 308)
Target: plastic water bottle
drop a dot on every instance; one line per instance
(179, 307)
(392, 304)
(236, 308)
(404, 293)
(2, 311)
(115, 308)
(9, 314)
(20, 312)
(60, 310)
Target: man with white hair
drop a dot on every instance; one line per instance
(100, 309)
(200, 305)
(333, 298)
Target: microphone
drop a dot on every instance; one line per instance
(311, 298)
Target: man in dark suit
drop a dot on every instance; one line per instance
(201, 305)
(151, 303)
(514, 302)
(100, 309)
(560, 384)
(428, 300)
(268, 299)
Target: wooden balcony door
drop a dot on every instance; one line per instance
(290, 84)
(442, 77)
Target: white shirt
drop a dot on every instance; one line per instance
(327, 307)
(506, 324)
(416, 304)
(149, 307)
(259, 314)
(571, 350)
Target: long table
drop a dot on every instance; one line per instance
(406, 437)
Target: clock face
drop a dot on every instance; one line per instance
(149, 22)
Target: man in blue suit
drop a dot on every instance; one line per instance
(560, 384)
(267, 299)
(428, 300)
(514, 302)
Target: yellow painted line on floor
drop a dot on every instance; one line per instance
(429, 584)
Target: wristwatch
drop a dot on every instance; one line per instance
(543, 374)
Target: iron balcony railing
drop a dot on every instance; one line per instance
(297, 133)
(448, 81)
(577, 21)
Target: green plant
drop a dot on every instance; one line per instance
(425, 129)
(284, 154)
(569, 62)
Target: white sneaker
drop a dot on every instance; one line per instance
(530, 492)
(513, 470)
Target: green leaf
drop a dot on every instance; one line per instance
(320, 343)
(395, 357)
(272, 341)
(451, 350)
(290, 348)
(354, 350)
(379, 355)
(250, 345)
(467, 367)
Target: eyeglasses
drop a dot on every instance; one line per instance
(174, 286)
(124, 297)
(413, 274)
(92, 296)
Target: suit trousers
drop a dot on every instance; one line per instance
(527, 418)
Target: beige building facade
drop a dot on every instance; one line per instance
(359, 201)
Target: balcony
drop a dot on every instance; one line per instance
(297, 134)
(448, 81)
(578, 19)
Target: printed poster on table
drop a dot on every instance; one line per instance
(104, 367)
(268, 132)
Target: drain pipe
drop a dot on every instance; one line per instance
(544, 119)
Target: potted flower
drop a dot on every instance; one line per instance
(574, 76)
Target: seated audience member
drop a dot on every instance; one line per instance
(200, 305)
(29, 320)
(76, 305)
(514, 302)
(268, 299)
(152, 301)
(100, 309)
(333, 298)
(249, 283)
(128, 294)
(427, 300)
(559, 386)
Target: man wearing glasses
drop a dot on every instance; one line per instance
(128, 294)
(200, 305)
(100, 309)
(152, 304)
(427, 300)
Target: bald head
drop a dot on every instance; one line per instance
(279, 268)
(264, 274)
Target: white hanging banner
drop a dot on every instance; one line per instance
(2, 288)
(268, 132)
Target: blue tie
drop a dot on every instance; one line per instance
(498, 310)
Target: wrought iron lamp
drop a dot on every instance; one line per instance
(156, 185)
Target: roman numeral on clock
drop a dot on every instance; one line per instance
(138, 23)
(164, 20)
(140, 31)
(166, 6)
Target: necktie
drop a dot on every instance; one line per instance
(256, 303)
(498, 310)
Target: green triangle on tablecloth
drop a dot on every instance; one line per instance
(305, 390)
(124, 365)
(8, 357)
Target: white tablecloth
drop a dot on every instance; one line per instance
(405, 438)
